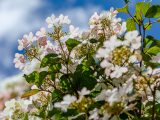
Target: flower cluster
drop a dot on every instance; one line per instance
(119, 54)
(107, 72)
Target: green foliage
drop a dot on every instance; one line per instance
(49, 60)
(57, 95)
(141, 9)
(131, 25)
(124, 9)
(83, 76)
(151, 48)
(71, 43)
(65, 83)
(153, 12)
(36, 78)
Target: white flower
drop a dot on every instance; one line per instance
(85, 35)
(84, 92)
(84, 42)
(67, 100)
(148, 71)
(73, 32)
(64, 20)
(133, 59)
(136, 43)
(131, 35)
(94, 114)
(26, 41)
(103, 95)
(156, 72)
(49, 48)
(103, 53)
(19, 61)
(41, 33)
(51, 21)
(109, 67)
(34, 65)
(112, 43)
(94, 19)
(122, 29)
(156, 59)
(133, 38)
(13, 105)
(118, 71)
(117, 94)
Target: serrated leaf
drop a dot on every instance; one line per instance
(153, 12)
(30, 93)
(124, 9)
(131, 25)
(71, 43)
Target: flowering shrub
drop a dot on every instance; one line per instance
(108, 72)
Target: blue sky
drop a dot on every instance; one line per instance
(22, 16)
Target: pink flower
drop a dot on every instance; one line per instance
(41, 33)
(26, 41)
(42, 41)
(19, 61)
(41, 37)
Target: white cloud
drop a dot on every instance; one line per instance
(80, 16)
(17, 17)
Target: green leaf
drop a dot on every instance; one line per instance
(153, 50)
(42, 76)
(131, 25)
(153, 12)
(36, 78)
(64, 82)
(71, 43)
(83, 76)
(56, 95)
(30, 93)
(26, 117)
(32, 78)
(49, 60)
(147, 60)
(97, 104)
(55, 68)
(147, 26)
(124, 9)
(141, 9)
(150, 42)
